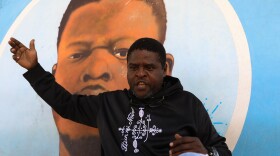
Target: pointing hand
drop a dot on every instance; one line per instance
(25, 57)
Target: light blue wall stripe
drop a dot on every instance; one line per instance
(9, 10)
(261, 22)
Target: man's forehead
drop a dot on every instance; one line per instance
(143, 55)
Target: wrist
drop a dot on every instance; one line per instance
(212, 151)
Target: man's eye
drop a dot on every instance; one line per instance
(121, 53)
(133, 68)
(149, 68)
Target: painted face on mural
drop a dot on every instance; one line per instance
(93, 47)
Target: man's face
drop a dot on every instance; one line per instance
(94, 44)
(144, 73)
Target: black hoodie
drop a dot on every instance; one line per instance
(131, 126)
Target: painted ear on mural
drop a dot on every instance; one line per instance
(54, 68)
(169, 63)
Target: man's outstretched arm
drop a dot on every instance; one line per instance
(74, 107)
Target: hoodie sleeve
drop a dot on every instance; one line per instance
(78, 108)
(207, 132)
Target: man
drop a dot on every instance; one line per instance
(154, 117)
(92, 46)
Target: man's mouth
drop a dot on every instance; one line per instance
(141, 85)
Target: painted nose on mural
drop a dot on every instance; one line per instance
(97, 69)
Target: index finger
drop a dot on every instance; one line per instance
(15, 42)
(183, 140)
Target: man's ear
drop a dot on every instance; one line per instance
(169, 64)
(54, 68)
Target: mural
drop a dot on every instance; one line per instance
(84, 44)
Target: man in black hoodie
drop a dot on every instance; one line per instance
(154, 117)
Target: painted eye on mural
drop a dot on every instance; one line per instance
(120, 53)
(78, 56)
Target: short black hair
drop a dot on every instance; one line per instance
(158, 8)
(150, 45)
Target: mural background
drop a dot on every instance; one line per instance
(24, 129)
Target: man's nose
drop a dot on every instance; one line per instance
(141, 72)
(97, 67)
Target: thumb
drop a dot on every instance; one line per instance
(32, 44)
(178, 136)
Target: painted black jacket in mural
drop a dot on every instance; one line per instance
(127, 125)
